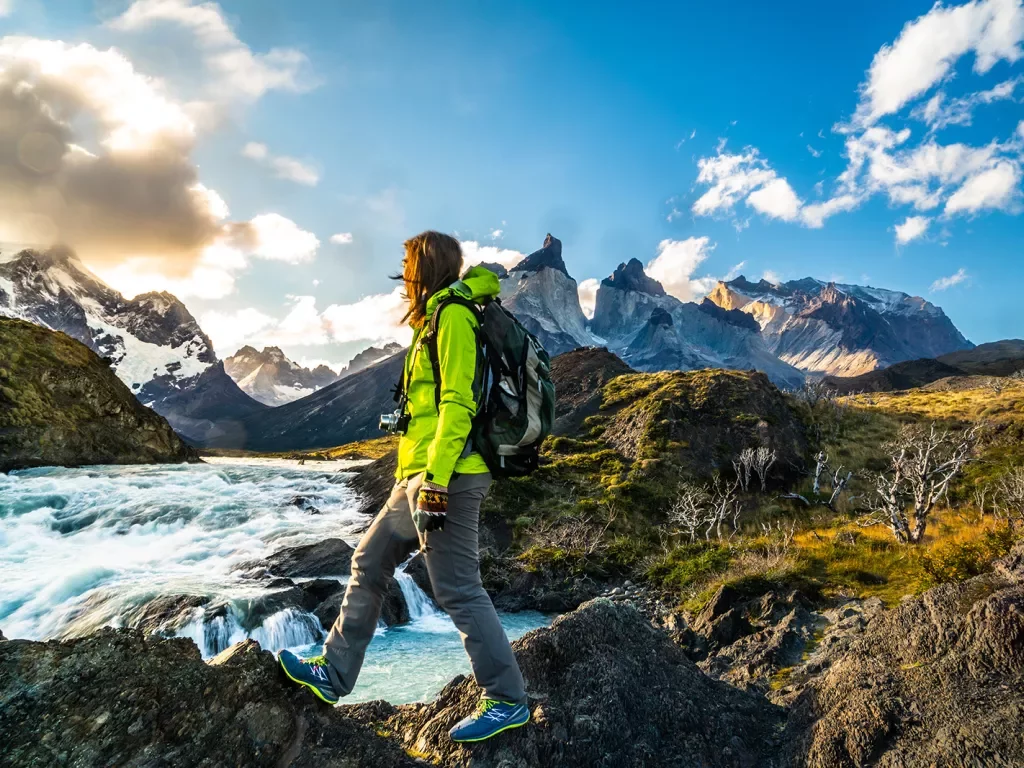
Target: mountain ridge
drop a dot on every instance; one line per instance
(155, 345)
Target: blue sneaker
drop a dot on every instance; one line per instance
(311, 672)
(491, 718)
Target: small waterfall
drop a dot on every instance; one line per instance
(424, 616)
(288, 628)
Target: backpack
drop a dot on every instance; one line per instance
(516, 400)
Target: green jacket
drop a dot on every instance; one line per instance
(436, 437)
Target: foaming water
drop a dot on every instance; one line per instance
(81, 547)
(100, 546)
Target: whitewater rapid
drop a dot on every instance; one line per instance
(85, 548)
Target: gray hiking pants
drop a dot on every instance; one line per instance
(453, 562)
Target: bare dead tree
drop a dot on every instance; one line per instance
(1017, 375)
(724, 505)
(980, 494)
(923, 462)
(707, 506)
(764, 458)
(825, 477)
(689, 511)
(1010, 493)
(997, 385)
(743, 465)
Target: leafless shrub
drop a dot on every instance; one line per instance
(574, 534)
(825, 477)
(751, 462)
(706, 507)
(997, 384)
(1017, 375)
(815, 391)
(779, 540)
(1010, 495)
(923, 462)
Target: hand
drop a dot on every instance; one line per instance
(431, 507)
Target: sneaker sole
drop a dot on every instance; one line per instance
(508, 727)
(304, 684)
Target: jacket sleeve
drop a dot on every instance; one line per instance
(457, 355)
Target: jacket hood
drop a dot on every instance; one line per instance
(478, 284)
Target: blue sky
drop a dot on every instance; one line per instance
(693, 136)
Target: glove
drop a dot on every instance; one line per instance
(431, 507)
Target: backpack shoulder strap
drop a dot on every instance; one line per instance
(431, 337)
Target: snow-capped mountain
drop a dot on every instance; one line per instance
(152, 341)
(841, 330)
(652, 331)
(545, 298)
(370, 356)
(272, 378)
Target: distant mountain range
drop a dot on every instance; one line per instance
(152, 341)
(788, 330)
(997, 358)
(841, 330)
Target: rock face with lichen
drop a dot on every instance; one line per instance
(62, 405)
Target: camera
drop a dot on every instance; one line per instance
(396, 422)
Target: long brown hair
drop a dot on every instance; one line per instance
(432, 261)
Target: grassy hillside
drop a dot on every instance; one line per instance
(61, 404)
(599, 508)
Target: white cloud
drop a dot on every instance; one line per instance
(912, 228)
(944, 283)
(675, 264)
(939, 112)
(342, 238)
(272, 236)
(814, 152)
(732, 178)
(473, 253)
(815, 214)
(771, 276)
(776, 199)
(497, 234)
(587, 290)
(928, 47)
(6, 7)
(372, 319)
(234, 70)
(284, 167)
(229, 331)
(995, 187)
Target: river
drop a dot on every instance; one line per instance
(86, 548)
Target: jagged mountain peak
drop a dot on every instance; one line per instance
(630, 276)
(660, 316)
(548, 257)
(271, 378)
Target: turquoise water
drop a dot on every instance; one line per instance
(86, 548)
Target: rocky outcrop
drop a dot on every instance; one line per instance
(62, 405)
(605, 688)
(578, 377)
(935, 681)
(630, 276)
(328, 557)
(271, 378)
(154, 344)
(121, 698)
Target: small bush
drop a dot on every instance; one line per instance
(958, 561)
(688, 563)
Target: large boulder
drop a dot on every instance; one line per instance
(938, 680)
(329, 557)
(606, 689)
(122, 698)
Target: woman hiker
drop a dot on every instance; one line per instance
(434, 505)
